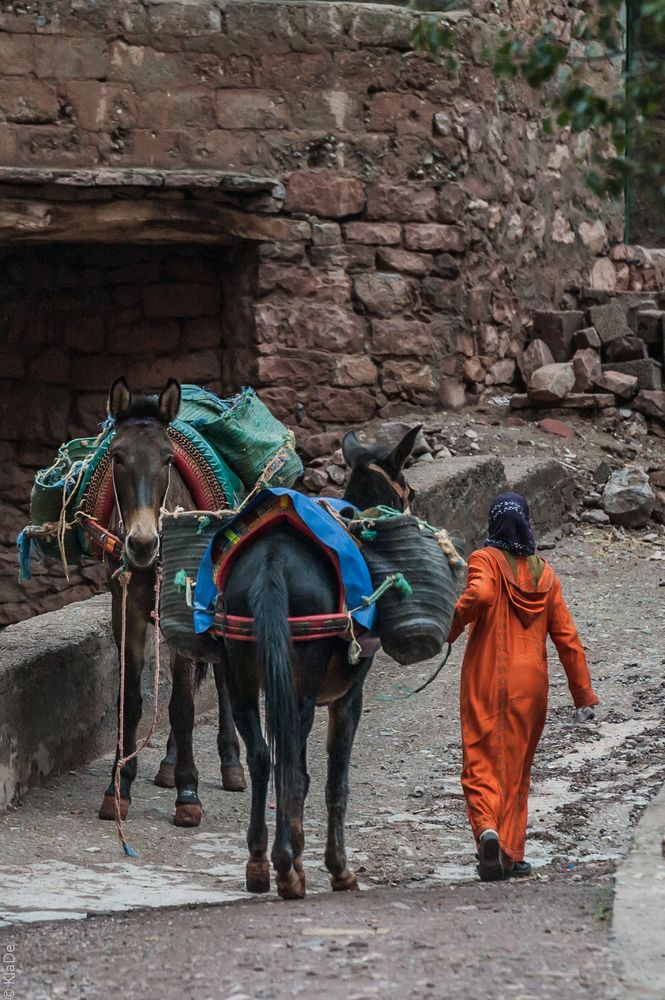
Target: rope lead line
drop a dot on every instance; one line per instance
(125, 577)
(407, 693)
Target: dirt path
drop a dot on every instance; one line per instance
(467, 941)
(407, 833)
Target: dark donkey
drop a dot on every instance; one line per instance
(283, 573)
(145, 479)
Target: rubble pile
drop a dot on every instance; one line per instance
(607, 353)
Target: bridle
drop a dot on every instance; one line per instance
(117, 498)
(405, 492)
(111, 544)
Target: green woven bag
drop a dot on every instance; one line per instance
(244, 432)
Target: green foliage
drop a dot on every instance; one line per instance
(435, 35)
(591, 83)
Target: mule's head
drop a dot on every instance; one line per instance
(141, 457)
(376, 472)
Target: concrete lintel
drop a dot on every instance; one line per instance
(140, 177)
(142, 220)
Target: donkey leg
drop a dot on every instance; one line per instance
(297, 829)
(188, 809)
(248, 720)
(343, 718)
(228, 746)
(289, 842)
(137, 623)
(165, 776)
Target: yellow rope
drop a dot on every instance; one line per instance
(446, 544)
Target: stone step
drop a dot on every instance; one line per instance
(456, 493)
(548, 486)
(574, 401)
(59, 677)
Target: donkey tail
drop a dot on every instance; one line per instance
(200, 673)
(269, 604)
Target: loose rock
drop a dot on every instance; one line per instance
(557, 328)
(609, 321)
(649, 373)
(651, 402)
(628, 498)
(595, 517)
(535, 356)
(621, 385)
(393, 431)
(626, 349)
(552, 382)
(587, 337)
(658, 512)
(587, 368)
(557, 427)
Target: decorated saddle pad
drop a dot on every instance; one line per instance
(311, 516)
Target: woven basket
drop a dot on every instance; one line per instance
(413, 628)
(185, 537)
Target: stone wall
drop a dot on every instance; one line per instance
(424, 215)
(440, 215)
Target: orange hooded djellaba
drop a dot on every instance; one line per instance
(511, 603)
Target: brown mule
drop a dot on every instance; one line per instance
(145, 479)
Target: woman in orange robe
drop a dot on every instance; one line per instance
(512, 602)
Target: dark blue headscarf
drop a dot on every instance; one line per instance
(509, 525)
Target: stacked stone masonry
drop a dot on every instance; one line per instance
(610, 349)
(417, 218)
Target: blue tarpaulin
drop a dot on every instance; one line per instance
(353, 568)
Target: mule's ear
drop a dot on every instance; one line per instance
(169, 401)
(401, 451)
(352, 449)
(120, 398)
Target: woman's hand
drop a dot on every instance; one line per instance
(585, 713)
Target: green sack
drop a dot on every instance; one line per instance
(244, 432)
(59, 487)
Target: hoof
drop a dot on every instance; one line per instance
(187, 815)
(107, 808)
(291, 887)
(257, 876)
(165, 777)
(233, 778)
(346, 882)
